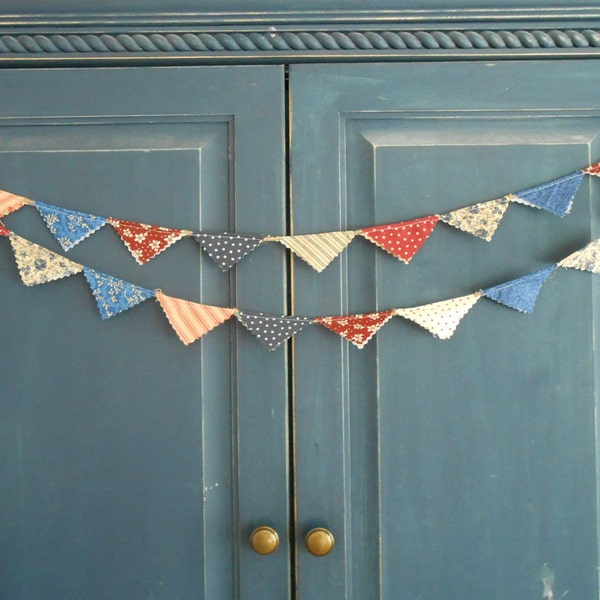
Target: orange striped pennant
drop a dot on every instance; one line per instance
(11, 202)
(191, 320)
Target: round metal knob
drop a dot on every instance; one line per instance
(264, 540)
(319, 541)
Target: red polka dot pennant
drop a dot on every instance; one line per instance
(358, 329)
(403, 240)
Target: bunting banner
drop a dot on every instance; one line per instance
(318, 249)
(114, 295)
(192, 320)
(402, 240)
(586, 259)
(11, 202)
(39, 265)
(68, 226)
(441, 318)
(146, 241)
(520, 294)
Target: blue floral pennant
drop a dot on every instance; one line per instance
(227, 249)
(554, 196)
(520, 294)
(114, 295)
(271, 330)
(69, 227)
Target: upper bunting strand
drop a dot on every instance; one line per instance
(402, 240)
(192, 320)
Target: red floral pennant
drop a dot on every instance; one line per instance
(593, 170)
(358, 329)
(146, 241)
(403, 240)
(4, 231)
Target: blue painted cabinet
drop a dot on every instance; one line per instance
(460, 468)
(136, 467)
(133, 466)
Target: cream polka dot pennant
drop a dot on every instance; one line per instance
(440, 318)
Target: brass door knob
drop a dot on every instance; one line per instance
(319, 541)
(264, 540)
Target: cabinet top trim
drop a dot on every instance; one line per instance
(387, 36)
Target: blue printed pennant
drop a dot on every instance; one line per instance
(114, 295)
(69, 227)
(227, 249)
(520, 294)
(271, 330)
(554, 196)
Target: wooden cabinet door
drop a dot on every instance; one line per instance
(133, 466)
(459, 468)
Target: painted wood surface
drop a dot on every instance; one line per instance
(462, 469)
(74, 7)
(133, 466)
(458, 468)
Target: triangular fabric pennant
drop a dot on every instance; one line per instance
(403, 240)
(554, 196)
(520, 294)
(69, 227)
(593, 170)
(227, 249)
(4, 231)
(38, 265)
(11, 202)
(318, 249)
(441, 318)
(191, 320)
(586, 259)
(358, 329)
(480, 219)
(146, 241)
(114, 295)
(271, 330)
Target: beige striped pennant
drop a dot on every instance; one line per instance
(11, 202)
(191, 320)
(440, 318)
(318, 249)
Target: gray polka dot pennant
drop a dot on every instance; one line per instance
(270, 330)
(227, 249)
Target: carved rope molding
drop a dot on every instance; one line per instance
(291, 43)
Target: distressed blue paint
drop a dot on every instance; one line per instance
(451, 469)
(133, 466)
